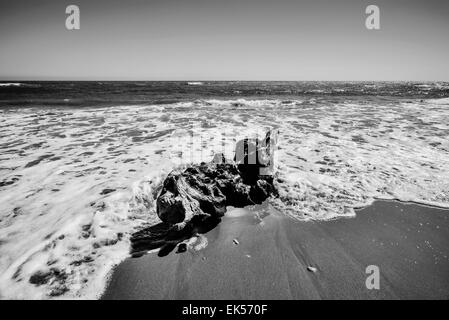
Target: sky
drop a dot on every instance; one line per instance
(224, 40)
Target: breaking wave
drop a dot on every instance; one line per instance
(10, 84)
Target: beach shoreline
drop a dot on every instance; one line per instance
(87, 176)
(260, 253)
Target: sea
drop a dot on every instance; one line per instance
(81, 163)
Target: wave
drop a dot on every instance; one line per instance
(444, 101)
(76, 256)
(11, 84)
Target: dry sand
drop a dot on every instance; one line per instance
(262, 254)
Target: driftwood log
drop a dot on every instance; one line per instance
(194, 200)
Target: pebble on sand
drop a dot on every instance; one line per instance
(312, 269)
(182, 247)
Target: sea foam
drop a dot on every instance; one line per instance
(10, 84)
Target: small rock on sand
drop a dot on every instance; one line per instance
(236, 242)
(182, 247)
(106, 191)
(312, 269)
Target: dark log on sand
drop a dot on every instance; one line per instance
(193, 201)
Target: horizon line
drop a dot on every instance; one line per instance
(196, 80)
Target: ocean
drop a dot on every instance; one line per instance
(82, 162)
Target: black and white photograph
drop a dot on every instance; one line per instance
(224, 150)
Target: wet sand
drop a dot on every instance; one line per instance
(262, 254)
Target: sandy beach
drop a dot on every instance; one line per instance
(260, 253)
